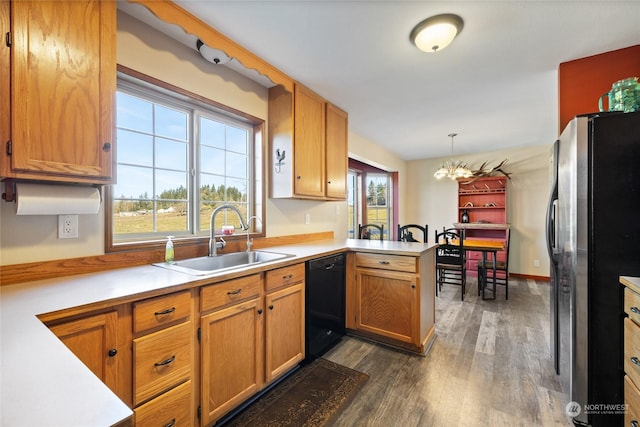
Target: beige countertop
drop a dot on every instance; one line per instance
(43, 383)
(631, 282)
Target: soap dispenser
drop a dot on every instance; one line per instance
(168, 251)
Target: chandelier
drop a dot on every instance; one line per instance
(453, 169)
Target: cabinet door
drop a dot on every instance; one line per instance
(284, 330)
(387, 304)
(63, 88)
(336, 152)
(309, 143)
(232, 358)
(93, 340)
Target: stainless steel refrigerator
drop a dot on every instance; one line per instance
(593, 234)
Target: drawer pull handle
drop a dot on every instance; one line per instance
(236, 292)
(171, 423)
(635, 361)
(634, 423)
(635, 310)
(166, 362)
(287, 277)
(383, 262)
(163, 312)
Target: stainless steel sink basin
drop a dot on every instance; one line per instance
(202, 266)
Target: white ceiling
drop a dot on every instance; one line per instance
(495, 85)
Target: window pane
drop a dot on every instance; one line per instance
(171, 154)
(170, 182)
(236, 165)
(237, 140)
(212, 160)
(211, 188)
(172, 219)
(171, 123)
(134, 113)
(236, 190)
(135, 148)
(211, 133)
(134, 182)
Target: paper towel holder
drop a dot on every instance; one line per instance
(9, 194)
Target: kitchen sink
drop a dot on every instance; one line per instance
(202, 266)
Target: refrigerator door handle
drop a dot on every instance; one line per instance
(552, 224)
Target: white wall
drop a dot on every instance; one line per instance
(436, 201)
(34, 238)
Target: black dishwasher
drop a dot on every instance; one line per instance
(325, 304)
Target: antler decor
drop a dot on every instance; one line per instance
(482, 172)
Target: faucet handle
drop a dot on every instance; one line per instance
(221, 244)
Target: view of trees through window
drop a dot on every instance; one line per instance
(175, 159)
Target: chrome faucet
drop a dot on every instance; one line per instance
(249, 243)
(213, 245)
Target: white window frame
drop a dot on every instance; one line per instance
(197, 228)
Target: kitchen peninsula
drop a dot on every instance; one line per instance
(43, 383)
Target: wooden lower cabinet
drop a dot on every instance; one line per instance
(173, 408)
(231, 357)
(387, 305)
(94, 340)
(284, 330)
(391, 298)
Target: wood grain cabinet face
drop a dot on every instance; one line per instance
(308, 143)
(387, 304)
(63, 81)
(93, 339)
(232, 352)
(336, 152)
(284, 324)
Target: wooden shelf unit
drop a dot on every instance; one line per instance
(485, 200)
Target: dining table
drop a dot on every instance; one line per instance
(485, 246)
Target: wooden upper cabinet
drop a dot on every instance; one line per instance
(63, 82)
(336, 152)
(308, 143)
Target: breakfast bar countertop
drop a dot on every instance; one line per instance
(43, 383)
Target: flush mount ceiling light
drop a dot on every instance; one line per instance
(215, 56)
(453, 169)
(436, 33)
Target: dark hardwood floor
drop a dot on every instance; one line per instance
(489, 366)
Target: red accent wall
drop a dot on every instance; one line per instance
(581, 82)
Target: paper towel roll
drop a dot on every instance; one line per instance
(45, 199)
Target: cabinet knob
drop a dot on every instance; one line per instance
(112, 352)
(106, 146)
(259, 311)
(413, 286)
(271, 307)
(298, 177)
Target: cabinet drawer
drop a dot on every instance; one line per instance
(160, 311)
(632, 304)
(171, 408)
(284, 276)
(387, 262)
(232, 291)
(632, 350)
(161, 360)
(632, 399)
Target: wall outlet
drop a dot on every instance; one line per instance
(67, 226)
(307, 218)
(536, 263)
